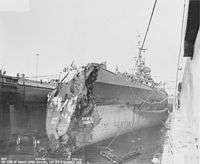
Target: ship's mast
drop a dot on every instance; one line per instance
(143, 42)
(140, 56)
(141, 49)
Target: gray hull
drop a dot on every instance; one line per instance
(118, 119)
(116, 106)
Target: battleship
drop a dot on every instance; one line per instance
(93, 104)
(88, 105)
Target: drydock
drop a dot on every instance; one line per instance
(117, 105)
(114, 117)
(20, 101)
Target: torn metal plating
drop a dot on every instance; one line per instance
(70, 111)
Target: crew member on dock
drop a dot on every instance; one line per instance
(179, 94)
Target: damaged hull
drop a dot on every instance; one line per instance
(97, 104)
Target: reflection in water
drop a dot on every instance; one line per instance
(29, 120)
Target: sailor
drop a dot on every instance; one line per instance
(4, 72)
(179, 94)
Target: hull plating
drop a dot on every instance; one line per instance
(120, 119)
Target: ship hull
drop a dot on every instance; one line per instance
(119, 119)
(111, 89)
(98, 104)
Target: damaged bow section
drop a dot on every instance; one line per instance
(70, 112)
(95, 104)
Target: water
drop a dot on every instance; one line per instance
(29, 119)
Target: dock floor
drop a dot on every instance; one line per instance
(182, 144)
